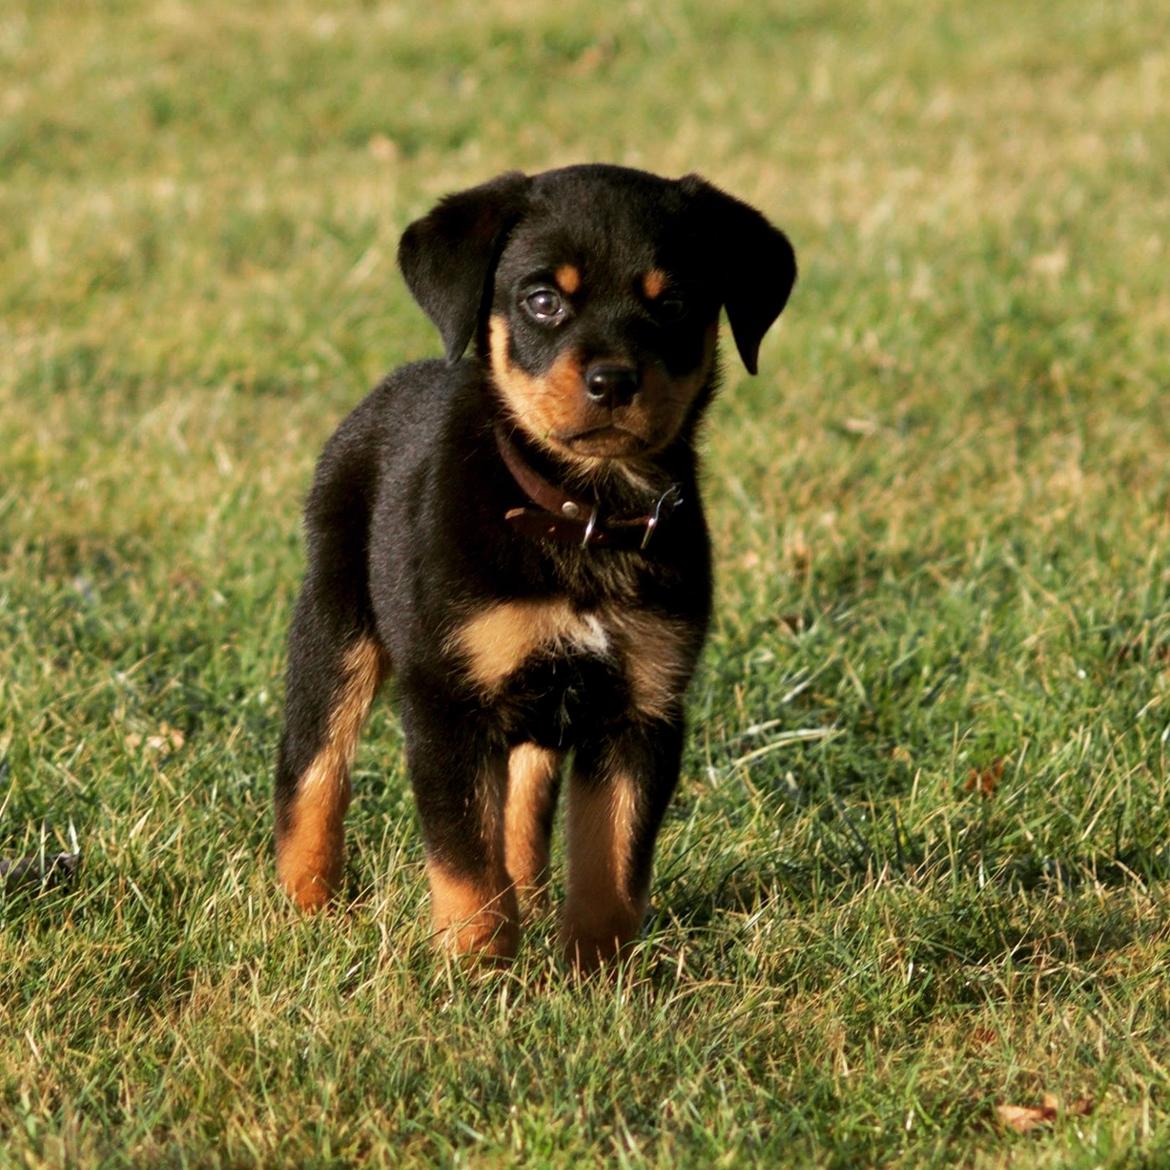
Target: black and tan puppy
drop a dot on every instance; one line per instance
(518, 537)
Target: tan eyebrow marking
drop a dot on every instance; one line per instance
(568, 276)
(654, 283)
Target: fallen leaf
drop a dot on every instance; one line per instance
(166, 740)
(1081, 1107)
(984, 781)
(589, 61)
(593, 57)
(1025, 1118)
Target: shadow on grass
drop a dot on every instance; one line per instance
(844, 860)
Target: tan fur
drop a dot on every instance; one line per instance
(654, 283)
(472, 917)
(311, 853)
(553, 407)
(498, 640)
(549, 404)
(602, 912)
(531, 771)
(658, 654)
(477, 913)
(568, 278)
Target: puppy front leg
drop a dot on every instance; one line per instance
(533, 780)
(459, 773)
(618, 792)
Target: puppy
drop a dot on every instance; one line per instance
(517, 536)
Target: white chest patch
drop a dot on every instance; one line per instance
(592, 636)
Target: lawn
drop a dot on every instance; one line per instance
(917, 867)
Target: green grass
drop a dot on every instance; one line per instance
(942, 516)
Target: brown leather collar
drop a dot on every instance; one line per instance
(570, 520)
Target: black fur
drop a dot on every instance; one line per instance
(405, 520)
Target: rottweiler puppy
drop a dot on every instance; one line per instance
(517, 536)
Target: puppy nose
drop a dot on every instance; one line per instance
(611, 385)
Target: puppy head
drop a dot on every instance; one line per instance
(594, 293)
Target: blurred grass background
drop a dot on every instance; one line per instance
(917, 863)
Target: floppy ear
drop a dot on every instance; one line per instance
(754, 262)
(448, 256)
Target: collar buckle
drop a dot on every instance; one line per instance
(670, 499)
(590, 525)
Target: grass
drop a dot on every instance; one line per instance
(918, 862)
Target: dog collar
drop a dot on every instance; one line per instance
(569, 520)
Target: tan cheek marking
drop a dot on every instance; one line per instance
(310, 855)
(602, 912)
(568, 278)
(659, 655)
(527, 813)
(547, 405)
(497, 641)
(654, 283)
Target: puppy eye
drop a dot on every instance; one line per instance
(671, 308)
(544, 305)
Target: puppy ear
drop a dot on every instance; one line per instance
(755, 264)
(449, 255)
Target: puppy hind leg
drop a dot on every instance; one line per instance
(332, 680)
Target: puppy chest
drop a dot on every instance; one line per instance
(581, 662)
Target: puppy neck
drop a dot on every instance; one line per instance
(617, 485)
